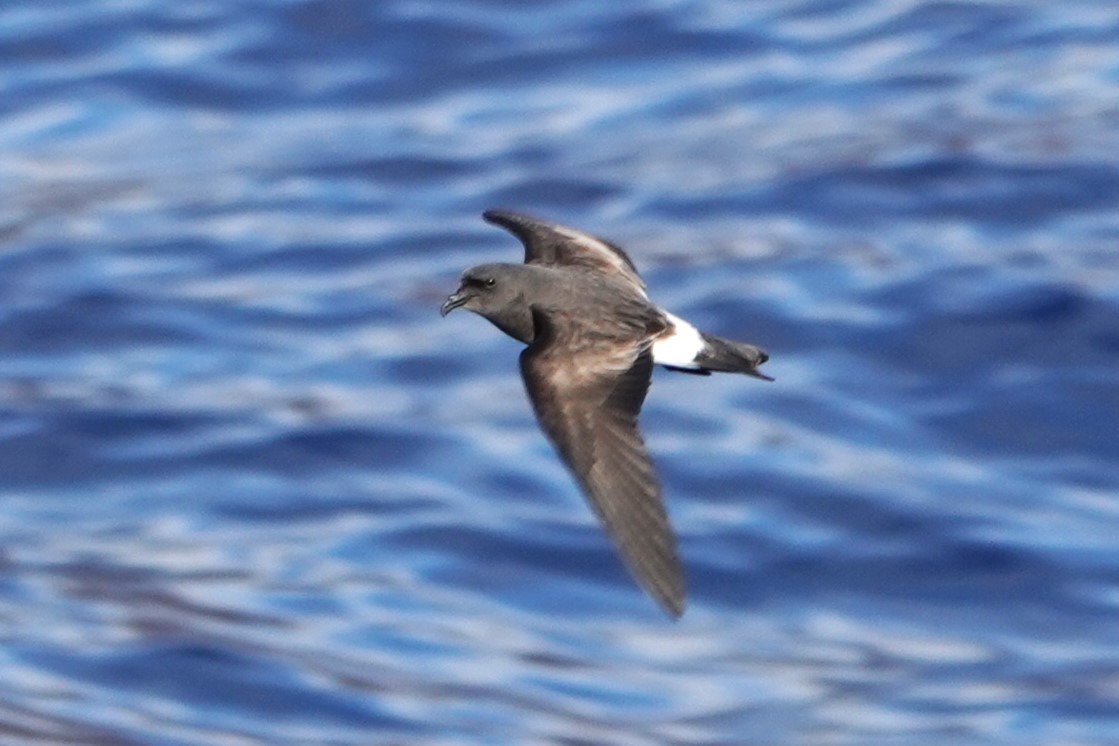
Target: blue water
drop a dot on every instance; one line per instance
(254, 490)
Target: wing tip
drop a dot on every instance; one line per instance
(674, 606)
(665, 587)
(506, 218)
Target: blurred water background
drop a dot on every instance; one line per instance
(254, 490)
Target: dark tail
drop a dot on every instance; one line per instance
(725, 356)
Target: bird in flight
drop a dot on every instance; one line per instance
(592, 337)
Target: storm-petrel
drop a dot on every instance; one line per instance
(593, 336)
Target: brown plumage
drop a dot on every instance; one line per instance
(587, 392)
(592, 336)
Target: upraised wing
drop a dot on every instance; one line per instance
(553, 244)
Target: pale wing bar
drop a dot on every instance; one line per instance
(553, 244)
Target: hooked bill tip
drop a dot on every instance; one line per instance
(454, 300)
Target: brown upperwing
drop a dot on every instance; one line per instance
(587, 394)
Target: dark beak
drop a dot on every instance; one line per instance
(454, 300)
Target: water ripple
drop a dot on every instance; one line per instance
(253, 489)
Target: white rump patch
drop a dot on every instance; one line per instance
(680, 349)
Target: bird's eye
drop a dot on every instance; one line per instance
(490, 282)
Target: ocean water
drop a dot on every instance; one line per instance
(254, 490)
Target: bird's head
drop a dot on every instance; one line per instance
(484, 289)
(495, 292)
